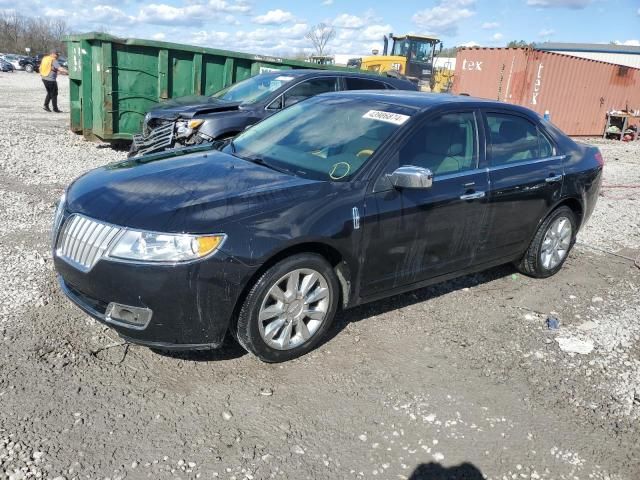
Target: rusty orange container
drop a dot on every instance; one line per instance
(577, 92)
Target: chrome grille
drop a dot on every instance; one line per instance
(83, 241)
(158, 139)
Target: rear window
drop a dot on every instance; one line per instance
(364, 84)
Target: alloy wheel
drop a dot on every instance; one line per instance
(556, 243)
(294, 309)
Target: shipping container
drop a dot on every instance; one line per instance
(577, 92)
(115, 81)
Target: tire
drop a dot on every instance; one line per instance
(537, 261)
(28, 68)
(252, 332)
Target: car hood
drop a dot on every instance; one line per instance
(188, 107)
(196, 193)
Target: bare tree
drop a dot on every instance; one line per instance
(320, 35)
(18, 32)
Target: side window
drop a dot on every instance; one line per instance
(445, 144)
(546, 147)
(310, 88)
(354, 83)
(512, 139)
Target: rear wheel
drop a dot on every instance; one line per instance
(289, 309)
(28, 68)
(551, 245)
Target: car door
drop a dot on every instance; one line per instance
(525, 175)
(411, 235)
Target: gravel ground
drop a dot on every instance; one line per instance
(460, 380)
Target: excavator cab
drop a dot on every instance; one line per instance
(410, 56)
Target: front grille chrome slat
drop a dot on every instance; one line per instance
(83, 241)
(89, 242)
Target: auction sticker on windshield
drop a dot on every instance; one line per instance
(284, 79)
(395, 118)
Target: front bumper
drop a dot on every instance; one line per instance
(192, 304)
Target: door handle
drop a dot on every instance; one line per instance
(472, 196)
(553, 178)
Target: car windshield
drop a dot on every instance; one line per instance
(253, 89)
(323, 138)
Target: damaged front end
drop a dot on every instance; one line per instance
(168, 135)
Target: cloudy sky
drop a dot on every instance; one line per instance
(279, 26)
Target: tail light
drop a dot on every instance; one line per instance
(599, 159)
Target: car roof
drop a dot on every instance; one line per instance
(301, 72)
(425, 101)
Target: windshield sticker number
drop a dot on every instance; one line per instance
(389, 117)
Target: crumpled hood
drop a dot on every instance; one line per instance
(188, 107)
(196, 193)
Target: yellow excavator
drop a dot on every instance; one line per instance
(411, 57)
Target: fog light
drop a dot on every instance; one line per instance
(128, 316)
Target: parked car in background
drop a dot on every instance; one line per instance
(6, 66)
(13, 60)
(339, 200)
(201, 119)
(31, 64)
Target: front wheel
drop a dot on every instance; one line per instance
(551, 245)
(289, 308)
(28, 68)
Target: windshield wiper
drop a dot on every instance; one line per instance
(261, 161)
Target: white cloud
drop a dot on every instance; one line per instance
(229, 7)
(327, 2)
(108, 14)
(348, 21)
(497, 36)
(469, 44)
(547, 32)
(630, 43)
(274, 17)
(445, 16)
(191, 14)
(212, 39)
(575, 4)
(490, 25)
(55, 12)
(159, 36)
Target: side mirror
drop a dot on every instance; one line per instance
(409, 176)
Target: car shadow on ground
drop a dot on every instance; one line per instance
(231, 349)
(362, 312)
(435, 471)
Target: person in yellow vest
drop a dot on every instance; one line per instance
(49, 70)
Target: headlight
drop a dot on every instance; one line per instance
(152, 247)
(194, 123)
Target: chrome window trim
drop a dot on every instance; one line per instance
(526, 162)
(462, 173)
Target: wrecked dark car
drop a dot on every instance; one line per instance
(195, 120)
(339, 200)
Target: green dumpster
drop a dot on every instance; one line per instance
(115, 81)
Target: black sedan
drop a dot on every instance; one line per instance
(6, 66)
(200, 119)
(339, 200)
